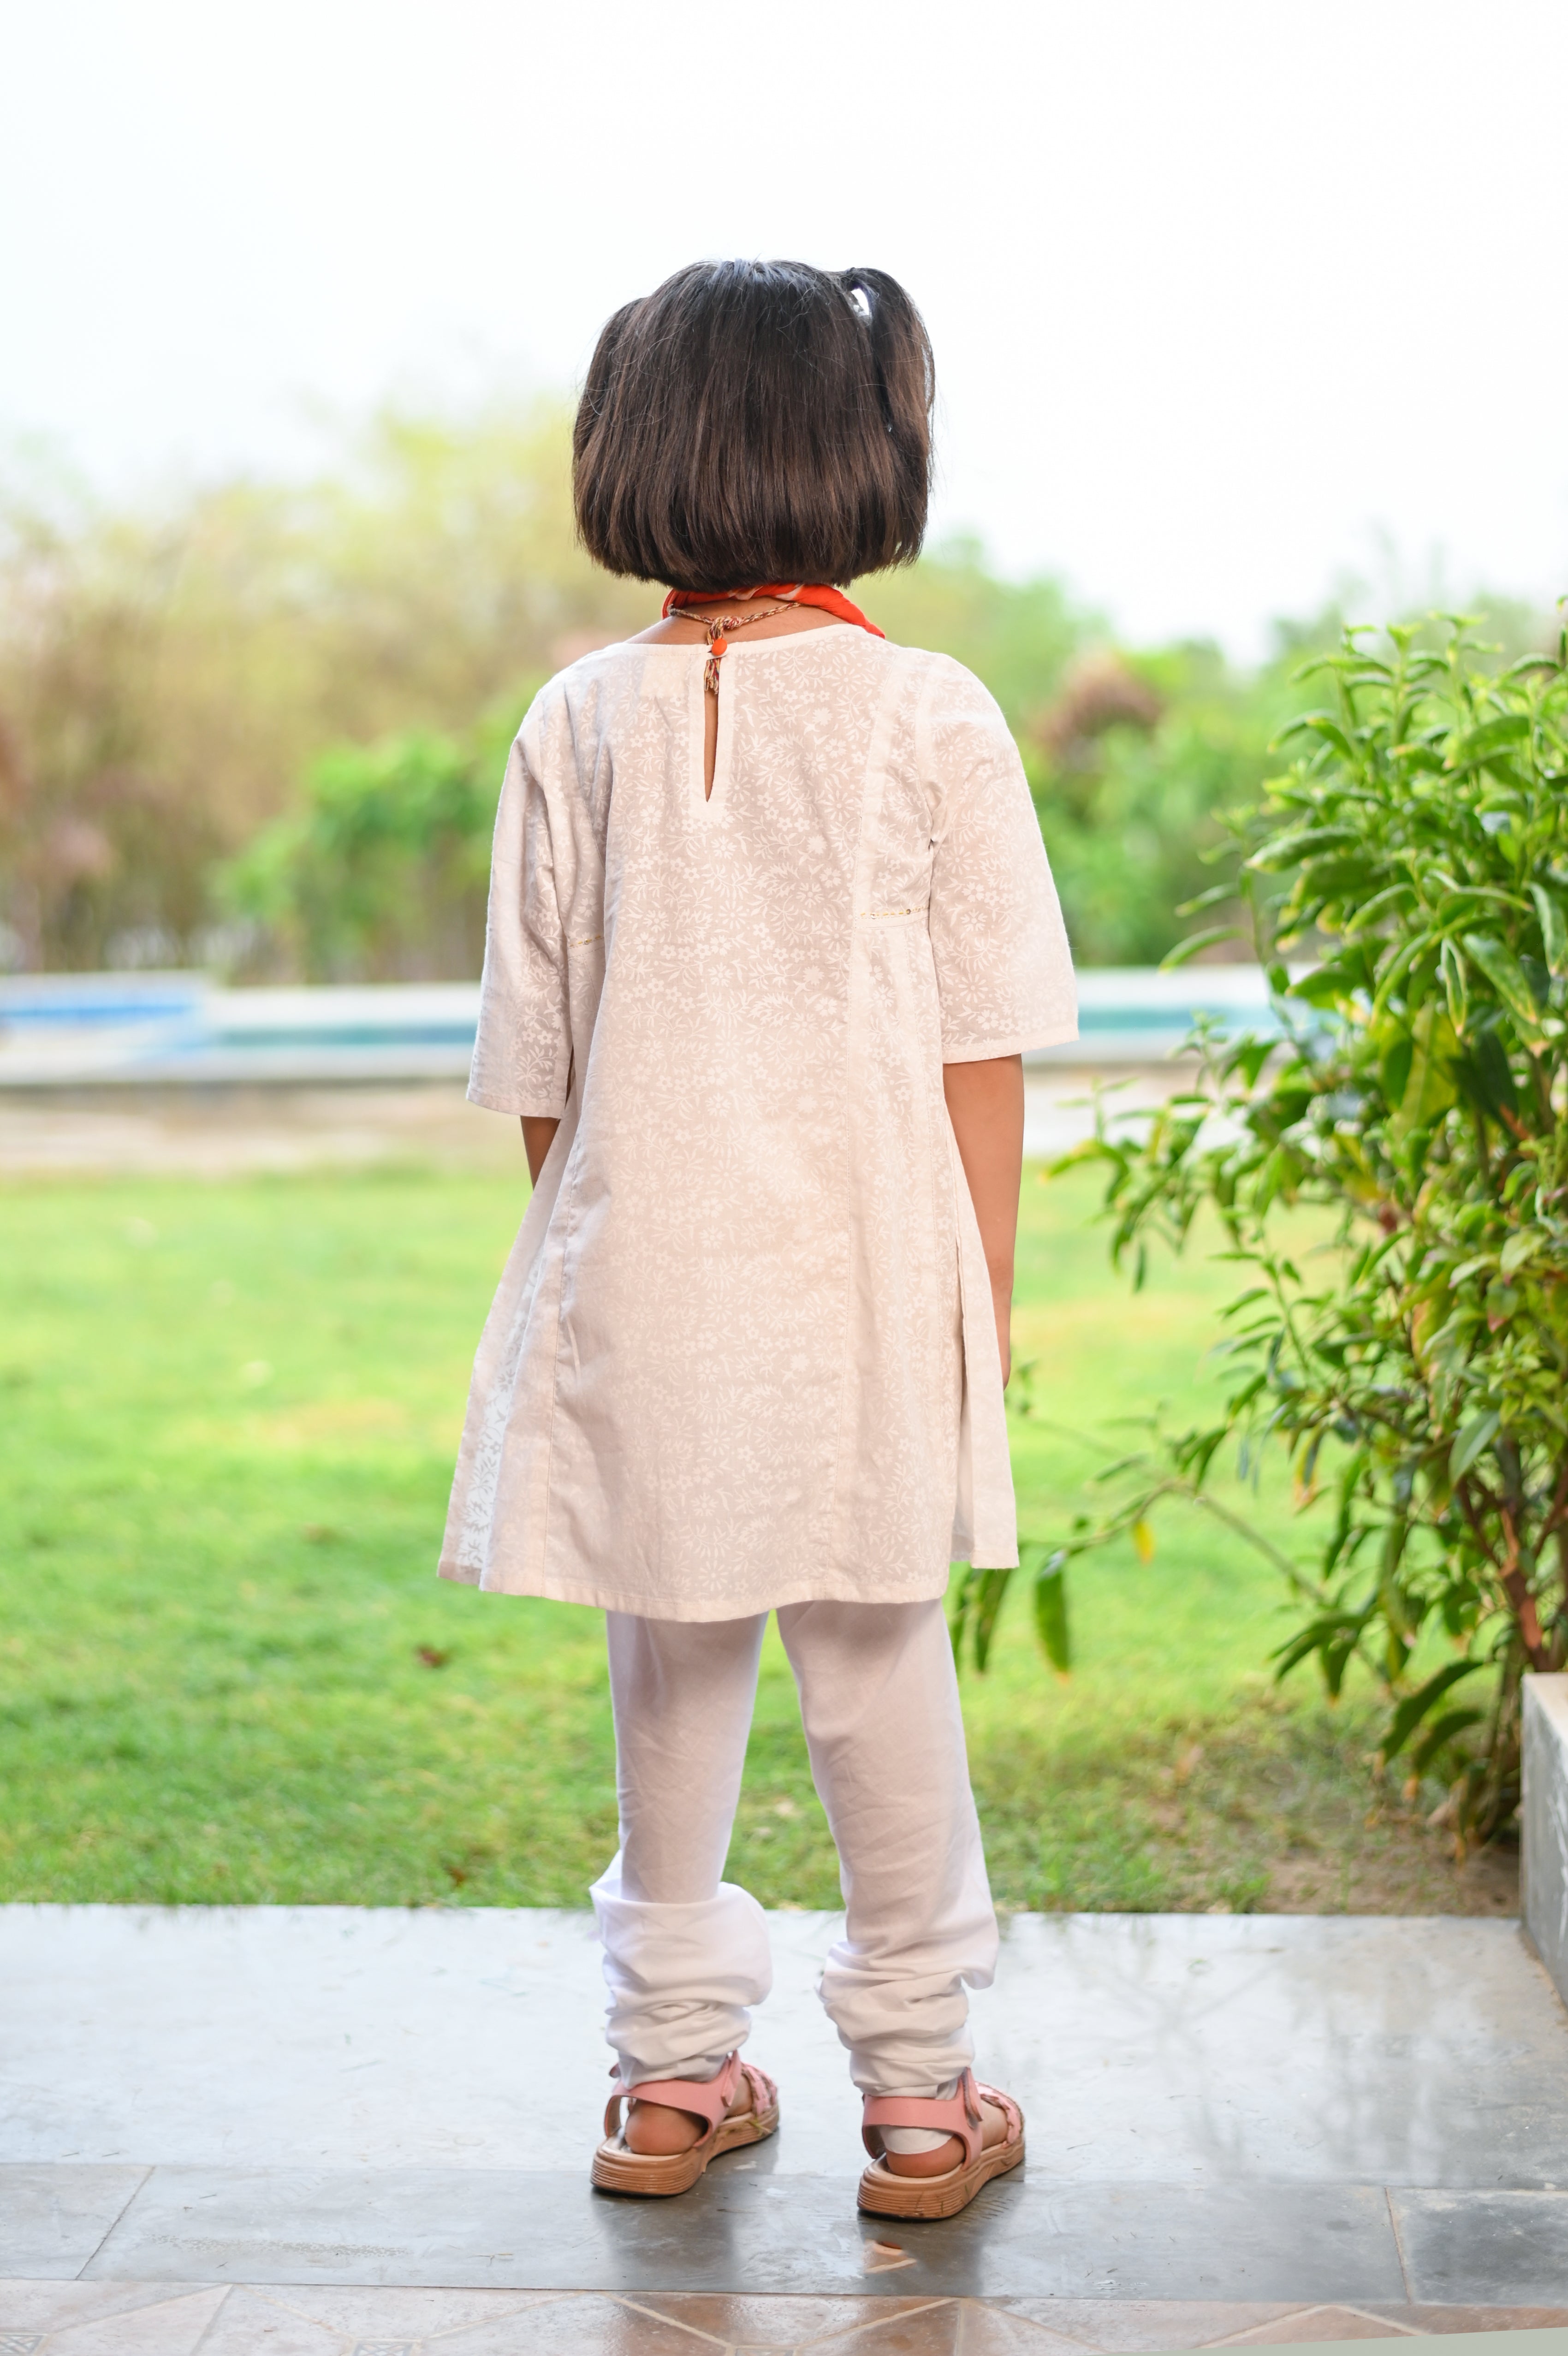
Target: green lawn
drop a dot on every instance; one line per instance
(228, 1672)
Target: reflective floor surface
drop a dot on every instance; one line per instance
(1239, 2128)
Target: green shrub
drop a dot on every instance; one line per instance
(1416, 856)
(383, 874)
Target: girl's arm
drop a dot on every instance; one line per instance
(538, 1137)
(986, 1105)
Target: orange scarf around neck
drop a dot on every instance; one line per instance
(789, 593)
(795, 593)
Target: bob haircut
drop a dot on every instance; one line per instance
(756, 421)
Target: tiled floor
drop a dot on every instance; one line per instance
(104, 2318)
(1163, 2048)
(314, 2131)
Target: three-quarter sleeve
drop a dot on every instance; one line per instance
(1003, 967)
(522, 1054)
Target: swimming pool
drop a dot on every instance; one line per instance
(182, 1029)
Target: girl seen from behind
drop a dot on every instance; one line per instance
(771, 927)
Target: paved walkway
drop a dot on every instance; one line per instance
(321, 2129)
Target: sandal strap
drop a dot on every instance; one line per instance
(1006, 2106)
(954, 2115)
(705, 2098)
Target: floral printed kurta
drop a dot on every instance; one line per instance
(743, 1353)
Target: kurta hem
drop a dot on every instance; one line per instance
(650, 1604)
(488, 1102)
(1025, 1042)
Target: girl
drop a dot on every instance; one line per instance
(770, 928)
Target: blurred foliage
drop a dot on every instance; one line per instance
(225, 720)
(1132, 765)
(168, 679)
(381, 876)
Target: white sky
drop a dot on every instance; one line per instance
(1227, 297)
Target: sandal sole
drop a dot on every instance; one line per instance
(659, 2175)
(883, 2194)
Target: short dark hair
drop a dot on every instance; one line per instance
(756, 421)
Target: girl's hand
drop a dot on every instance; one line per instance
(986, 1105)
(538, 1137)
(1001, 1305)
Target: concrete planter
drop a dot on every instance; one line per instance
(1545, 1844)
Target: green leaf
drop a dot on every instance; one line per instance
(1451, 965)
(1492, 737)
(1330, 985)
(1320, 1635)
(1471, 1440)
(1394, 1070)
(1050, 1611)
(1301, 842)
(992, 1586)
(1204, 940)
(1216, 896)
(1502, 970)
(1482, 1072)
(1554, 927)
(1437, 1738)
(1380, 904)
(1414, 1707)
(1520, 1247)
(1430, 1088)
(1319, 724)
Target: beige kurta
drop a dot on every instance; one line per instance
(743, 1352)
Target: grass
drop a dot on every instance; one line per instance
(228, 1413)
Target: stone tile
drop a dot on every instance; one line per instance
(1435, 2319)
(1288, 2244)
(1311, 2323)
(1498, 2249)
(38, 2307)
(446, 2227)
(580, 2325)
(313, 2321)
(400, 2313)
(1162, 2050)
(1131, 2326)
(54, 2214)
(995, 2329)
(163, 2327)
(935, 2330)
(260, 2323)
(781, 2322)
(526, 2325)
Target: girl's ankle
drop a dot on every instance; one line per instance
(938, 2161)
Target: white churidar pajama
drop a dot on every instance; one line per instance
(686, 1952)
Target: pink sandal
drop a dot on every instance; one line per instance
(885, 2194)
(616, 2169)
